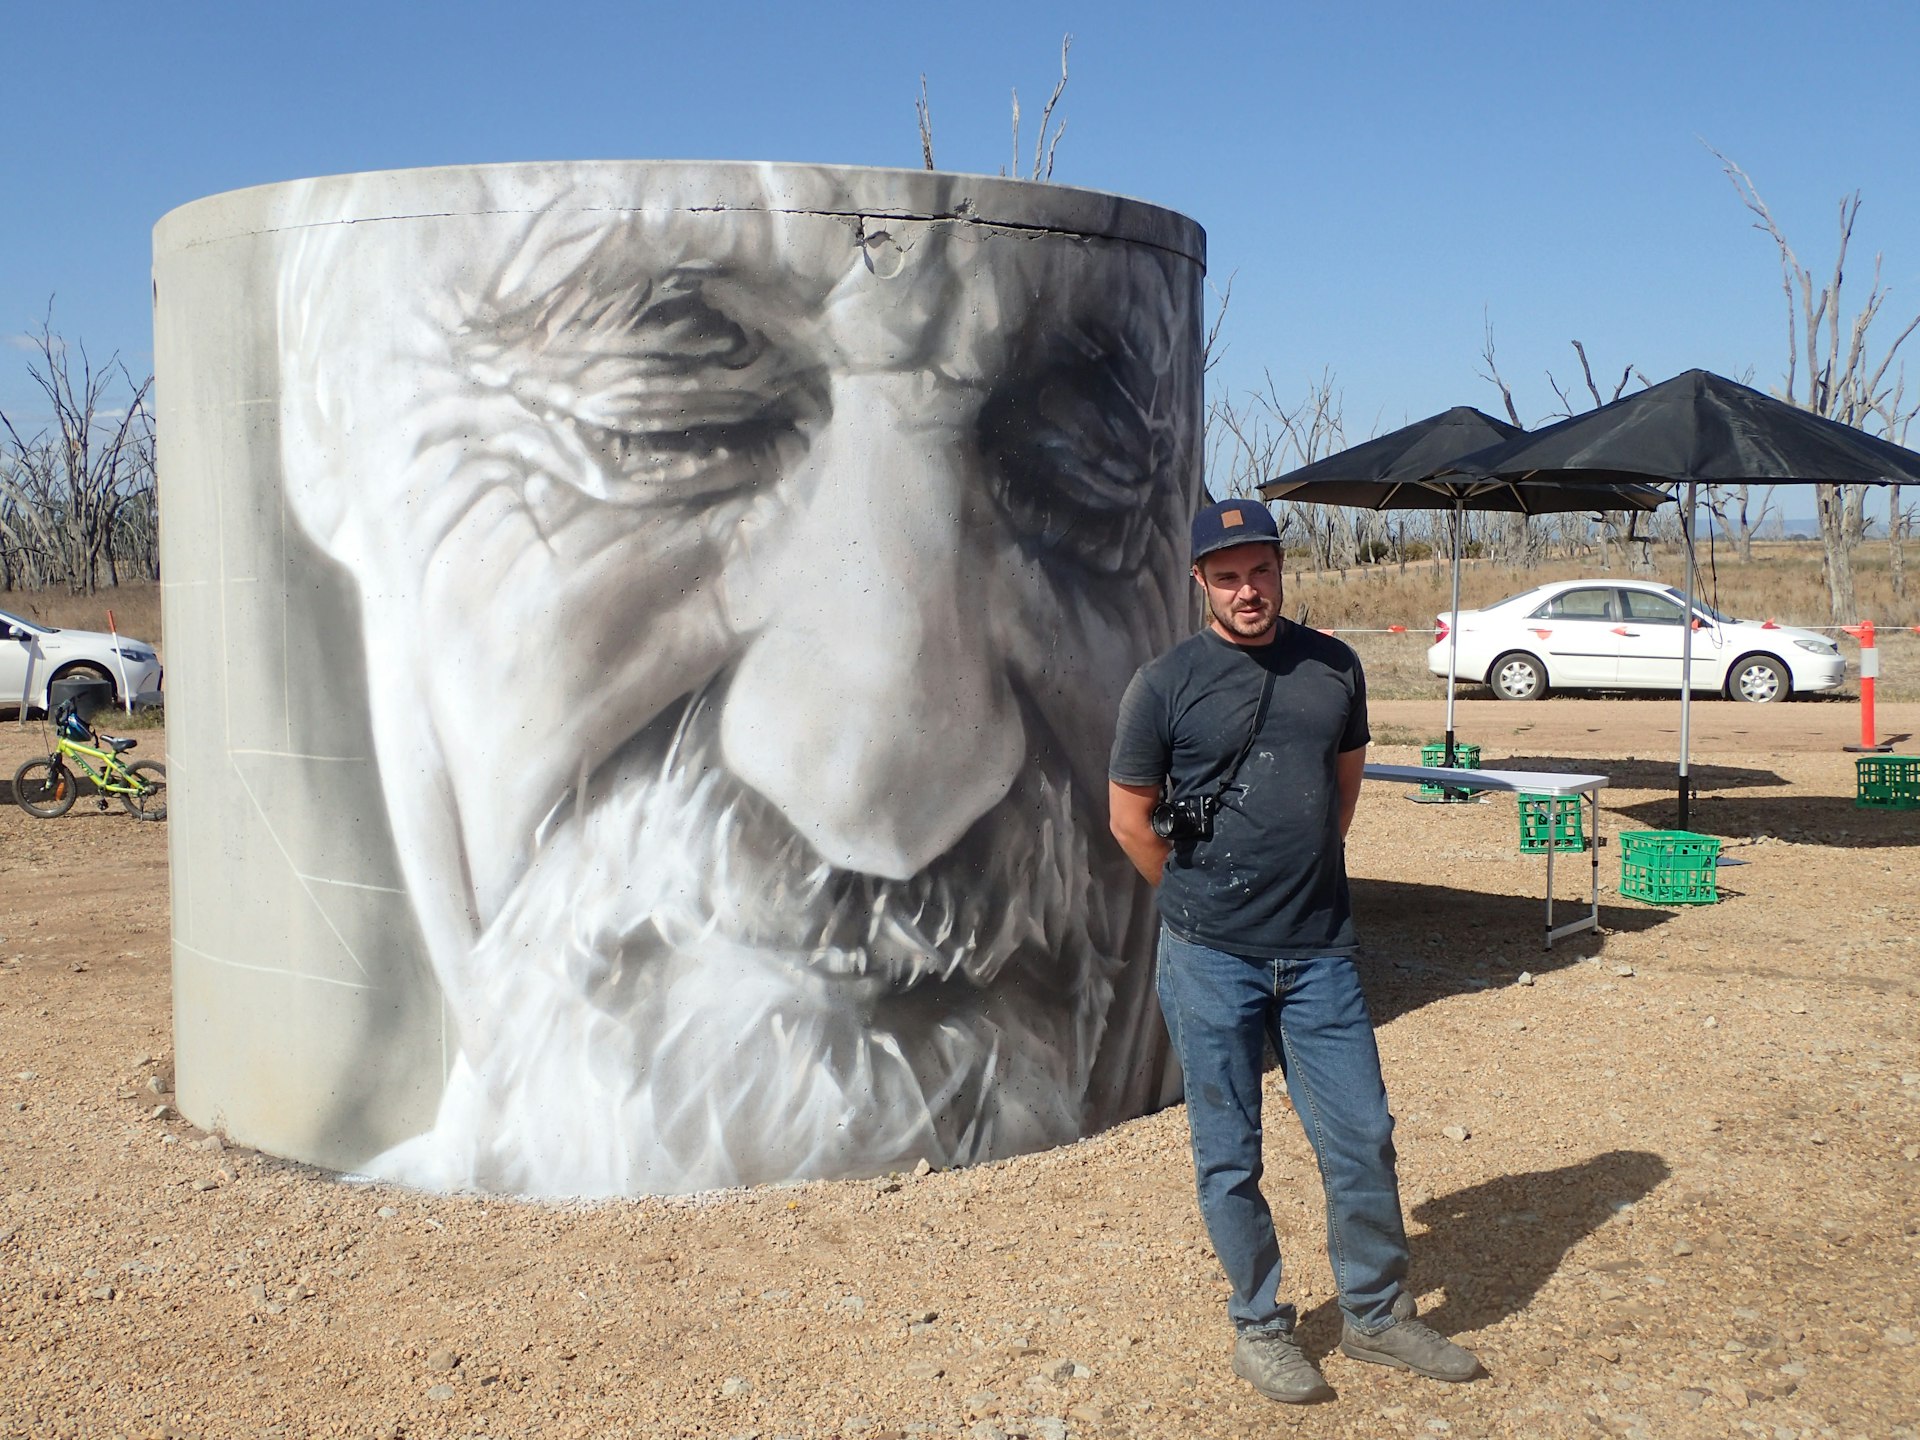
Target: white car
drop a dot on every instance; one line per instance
(33, 656)
(1626, 635)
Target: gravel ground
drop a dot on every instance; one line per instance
(1664, 1182)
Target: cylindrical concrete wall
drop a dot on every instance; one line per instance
(643, 642)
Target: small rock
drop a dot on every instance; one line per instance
(440, 1392)
(1683, 1247)
(1907, 1152)
(1068, 1370)
(1817, 1138)
(386, 1212)
(924, 1168)
(442, 1359)
(1438, 1426)
(227, 1173)
(1526, 978)
(159, 1113)
(276, 1307)
(25, 1075)
(986, 1430)
(206, 1185)
(212, 1143)
(19, 1106)
(1711, 1022)
(101, 1292)
(1691, 1399)
(854, 1304)
(141, 1061)
(922, 1370)
(1897, 1335)
(977, 1403)
(300, 1290)
(156, 1086)
(1625, 972)
(735, 1385)
(1456, 1132)
(1607, 1352)
(1047, 1427)
(920, 1317)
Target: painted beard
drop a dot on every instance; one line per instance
(681, 995)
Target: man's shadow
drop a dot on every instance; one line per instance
(1490, 1247)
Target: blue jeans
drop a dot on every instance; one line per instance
(1221, 1009)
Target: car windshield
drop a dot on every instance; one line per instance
(7, 617)
(1700, 606)
(1517, 595)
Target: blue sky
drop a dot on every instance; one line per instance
(1379, 179)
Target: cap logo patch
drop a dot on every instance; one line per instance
(1231, 518)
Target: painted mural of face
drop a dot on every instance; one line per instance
(746, 598)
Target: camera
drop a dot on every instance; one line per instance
(1187, 819)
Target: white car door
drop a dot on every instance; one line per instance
(16, 658)
(1574, 634)
(1650, 639)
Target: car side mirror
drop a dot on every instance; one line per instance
(14, 632)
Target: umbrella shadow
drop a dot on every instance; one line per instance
(1423, 943)
(1832, 821)
(1491, 1247)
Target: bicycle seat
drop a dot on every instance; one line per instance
(116, 745)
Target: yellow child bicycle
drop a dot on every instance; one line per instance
(47, 788)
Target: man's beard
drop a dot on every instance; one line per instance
(680, 994)
(1247, 627)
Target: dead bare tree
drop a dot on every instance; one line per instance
(1043, 147)
(924, 112)
(77, 498)
(1519, 540)
(1842, 380)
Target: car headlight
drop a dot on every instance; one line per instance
(1819, 647)
(137, 653)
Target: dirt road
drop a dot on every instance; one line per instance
(1687, 1202)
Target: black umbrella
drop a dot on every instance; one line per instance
(1401, 470)
(1697, 428)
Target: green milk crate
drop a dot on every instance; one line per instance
(1669, 867)
(1887, 782)
(1465, 757)
(1550, 819)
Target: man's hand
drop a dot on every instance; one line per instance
(1130, 817)
(1348, 771)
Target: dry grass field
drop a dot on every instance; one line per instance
(1783, 582)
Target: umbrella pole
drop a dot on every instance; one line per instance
(1686, 658)
(1453, 630)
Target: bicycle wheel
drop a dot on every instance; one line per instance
(45, 788)
(149, 802)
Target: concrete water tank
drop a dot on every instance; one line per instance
(643, 642)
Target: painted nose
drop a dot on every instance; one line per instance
(870, 705)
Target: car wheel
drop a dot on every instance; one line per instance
(1518, 676)
(1759, 680)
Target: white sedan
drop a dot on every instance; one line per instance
(33, 656)
(1626, 635)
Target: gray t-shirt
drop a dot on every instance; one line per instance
(1272, 882)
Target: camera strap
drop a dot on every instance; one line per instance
(1253, 733)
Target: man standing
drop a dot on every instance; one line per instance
(1234, 776)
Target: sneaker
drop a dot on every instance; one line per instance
(1411, 1345)
(1271, 1362)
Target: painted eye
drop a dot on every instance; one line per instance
(1076, 446)
(674, 400)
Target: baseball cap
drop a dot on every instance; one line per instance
(1233, 522)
